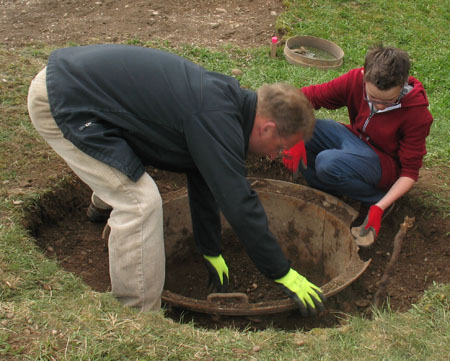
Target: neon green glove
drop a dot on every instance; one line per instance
(218, 273)
(308, 296)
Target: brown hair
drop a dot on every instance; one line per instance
(386, 67)
(288, 107)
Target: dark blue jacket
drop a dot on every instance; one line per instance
(131, 106)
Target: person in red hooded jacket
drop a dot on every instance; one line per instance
(375, 159)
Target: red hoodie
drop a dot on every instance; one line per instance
(397, 136)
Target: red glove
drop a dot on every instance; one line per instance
(293, 157)
(373, 221)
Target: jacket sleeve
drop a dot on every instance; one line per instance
(412, 146)
(333, 94)
(218, 150)
(205, 215)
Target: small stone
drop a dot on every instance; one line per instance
(362, 303)
(343, 329)
(46, 286)
(236, 72)
(273, 13)
(26, 183)
(215, 25)
(221, 10)
(346, 307)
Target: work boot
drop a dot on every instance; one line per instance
(364, 211)
(365, 238)
(362, 214)
(387, 211)
(97, 215)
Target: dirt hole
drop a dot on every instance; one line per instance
(61, 229)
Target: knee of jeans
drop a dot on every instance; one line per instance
(327, 167)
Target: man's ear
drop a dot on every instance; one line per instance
(268, 126)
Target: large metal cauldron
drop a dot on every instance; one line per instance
(320, 221)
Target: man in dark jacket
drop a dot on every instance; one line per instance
(110, 110)
(376, 158)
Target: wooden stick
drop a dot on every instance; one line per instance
(388, 272)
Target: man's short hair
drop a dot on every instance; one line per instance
(386, 67)
(288, 107)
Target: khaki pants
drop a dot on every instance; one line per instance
(136, 245)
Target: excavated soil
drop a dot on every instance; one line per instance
(64, 233)
(209, 23)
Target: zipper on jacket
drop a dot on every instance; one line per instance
(366, 123)
(405, 90)
(84, 126)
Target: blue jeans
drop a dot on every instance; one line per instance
(340, 163)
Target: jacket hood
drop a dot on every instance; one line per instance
(417, 96)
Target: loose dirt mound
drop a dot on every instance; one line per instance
(66, 235)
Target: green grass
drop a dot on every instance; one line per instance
(420, 27)
(47, 313)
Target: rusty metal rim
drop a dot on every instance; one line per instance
(354, 269)
(252, 309)
(329, 198)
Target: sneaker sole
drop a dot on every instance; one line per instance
(363, 241)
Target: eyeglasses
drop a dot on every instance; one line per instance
(369, 99)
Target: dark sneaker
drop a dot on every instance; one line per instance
(363, 212)
(97, 215)
(387, 211)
